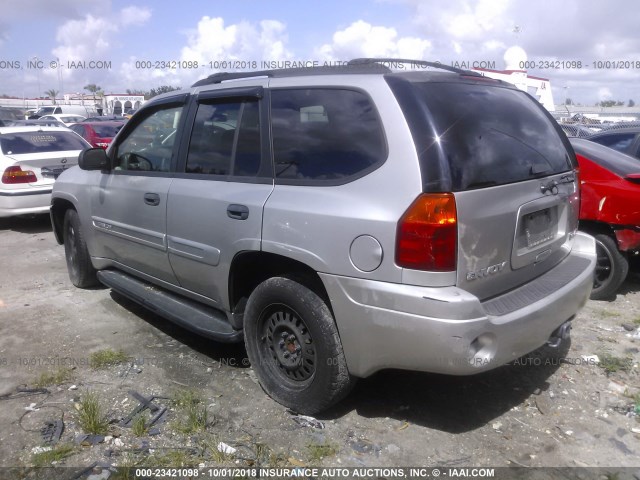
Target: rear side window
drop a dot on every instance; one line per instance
(325, 135)
(40, 142)
(472, 135)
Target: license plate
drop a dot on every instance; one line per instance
(52, 172)
(540, 227)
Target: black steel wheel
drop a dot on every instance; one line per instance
(81, 271)
(293, 344)
(612, 268)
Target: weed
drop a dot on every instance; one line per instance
(608, 314)
(58, 377)
(90, 416)
(139, 425)
(106, 358)
(319, 451)
(611, 364)
(56, 454)
(125, 466)
(194, 415)
(637, 321)
(172, 458)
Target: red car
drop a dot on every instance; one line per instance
(609, 210)
(98, 134)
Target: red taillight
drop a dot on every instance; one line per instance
(101, 145)
(16, 175)
(427, 234)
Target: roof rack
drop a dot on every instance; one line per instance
(423, 63)
(357, 65)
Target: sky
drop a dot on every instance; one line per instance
(590, 50)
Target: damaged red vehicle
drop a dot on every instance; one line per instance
(609, 210)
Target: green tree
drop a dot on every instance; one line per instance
(160, 90)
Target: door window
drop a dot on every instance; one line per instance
(149, 146)
(225, 139)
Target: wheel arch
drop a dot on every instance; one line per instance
(593, 227)
(249, 269)
(59, 207)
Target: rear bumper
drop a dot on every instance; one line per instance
(23, 202)
(448, 330)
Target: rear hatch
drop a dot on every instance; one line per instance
(46, 153)
(509, 167)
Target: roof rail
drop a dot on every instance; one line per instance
(441, 66)
(290, 72)
(357, 65)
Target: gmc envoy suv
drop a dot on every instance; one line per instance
(339, 221)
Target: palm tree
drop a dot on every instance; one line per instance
(94, 89)
(52, 94)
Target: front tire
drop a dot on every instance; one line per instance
(612, 268)
(81, 271)
(294, 347)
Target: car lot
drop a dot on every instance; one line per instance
(565, 411)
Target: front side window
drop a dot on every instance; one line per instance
(225, 139)
(149, 146)
(325, 134)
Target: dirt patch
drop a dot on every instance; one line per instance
(553, 408)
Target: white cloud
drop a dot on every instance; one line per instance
(474, 22)
(361, 39)
(82, 39)
(213, 41)
(134, 16)
(604, 93)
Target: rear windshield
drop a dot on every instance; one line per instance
(106, 131)
(39, 142)
(471, 135)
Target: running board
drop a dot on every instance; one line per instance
(205, 321)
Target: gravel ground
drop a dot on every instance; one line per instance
(550, 409)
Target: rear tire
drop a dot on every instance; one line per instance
(81, 271)
(612, 268)
(294, 347)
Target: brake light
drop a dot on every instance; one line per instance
(102, 145)
(427, 234)
(15, 174)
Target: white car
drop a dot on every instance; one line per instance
(66, 119)
(31, 158)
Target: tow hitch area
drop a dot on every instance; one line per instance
(563, 332)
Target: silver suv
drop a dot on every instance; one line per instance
(340, 221)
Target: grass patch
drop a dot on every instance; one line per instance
(106, 358)
(139, 425)
(319, 451)
(57, 377)
(608, 314)
(56, 454)
(90, 415)
(637, 321)
(193, 414)
(611, 364)
(172, 458)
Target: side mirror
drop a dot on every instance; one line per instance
(94, 159)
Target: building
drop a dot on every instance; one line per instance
(119, 103)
